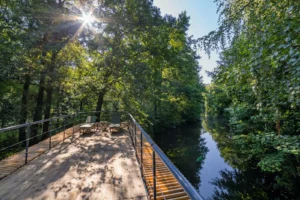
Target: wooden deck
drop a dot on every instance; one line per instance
(105, 167)
(167, 186)
(93, 166)
(17, 160)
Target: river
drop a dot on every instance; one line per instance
(199, 157)
(185, 146)
(212, 166)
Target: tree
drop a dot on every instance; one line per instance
(257, 75)
(54, 62)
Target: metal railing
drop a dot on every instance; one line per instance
(68, 124)
(138, 140)
(35, 132)
(16, 139)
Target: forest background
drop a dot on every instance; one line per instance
(54, 62)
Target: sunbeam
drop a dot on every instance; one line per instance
(87, 18)
(78, 32)
(84, 19)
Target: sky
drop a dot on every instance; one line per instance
(204, 18)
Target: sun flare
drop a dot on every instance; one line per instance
(87, 18)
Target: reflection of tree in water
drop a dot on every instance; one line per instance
(244, 185)
(220, 133)
(247, 181)
(249, 184)
(185, 148)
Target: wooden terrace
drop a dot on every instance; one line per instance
(96, 165)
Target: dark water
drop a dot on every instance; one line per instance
(196, 154)
(212, 166)
(202, 157)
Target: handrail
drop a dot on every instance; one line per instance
(187, 186)
(33, 123)
(45, 120)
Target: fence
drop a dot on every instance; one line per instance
(155, 166)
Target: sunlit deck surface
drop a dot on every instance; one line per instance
(96, 165)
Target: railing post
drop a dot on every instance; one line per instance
(80, 118)
(73, 124)
(50, 134)
(154, 175)
(128, 126)
(142, 153)
(131, 132)
(64, 129)
(27, 144)
(131, 129)
(134, 135)
(99, 120)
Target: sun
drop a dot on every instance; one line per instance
(87, 18)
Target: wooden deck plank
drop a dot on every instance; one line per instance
(170, 196)
(94, 166)
(167, 186)
(18, 160)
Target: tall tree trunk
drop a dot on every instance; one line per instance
(100, 103)
(58, 107)
(81, 105)
(24, 107)
(49, 91)
(38, 112)
(278, 127)
(47, 110)
(155, 110)
(58, 101)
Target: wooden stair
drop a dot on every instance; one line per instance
(167, 186)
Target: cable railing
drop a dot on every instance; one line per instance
(22, 143)
(141, 142)
(161, 178)
(15, 139)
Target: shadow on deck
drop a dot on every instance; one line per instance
(94, 165)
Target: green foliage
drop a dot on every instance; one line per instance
(274, 151)
(52, 64)
(256, 86)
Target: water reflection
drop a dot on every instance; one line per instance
(249, 184)
(196, 155)
(213, 164)
(244, 180)
(186, 149)
(210, 162)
